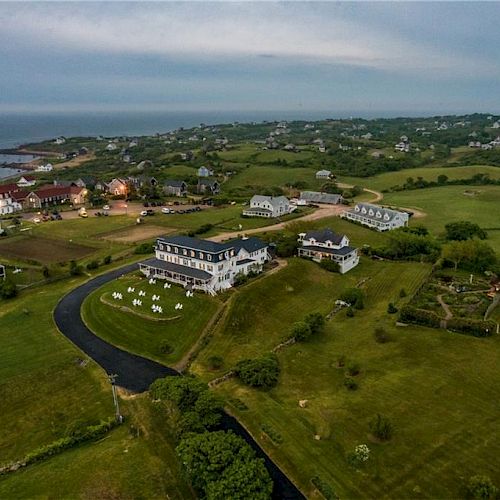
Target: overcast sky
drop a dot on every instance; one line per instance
(428, 57)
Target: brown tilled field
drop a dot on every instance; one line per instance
(43, 250)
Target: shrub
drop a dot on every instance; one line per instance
(353, 369)
(391, 308)
(353, 296)
(410, 314)
(476, 328)
(360, 455)
(240, 279)
(45, 272)
(93, 264)
(107, 260)
(165, 347)
(203, 229)
(144, 248)
(341, 361)
(8, 289)
(402, 293)
(350, 383)
(316, 322)
(482, 488)
(301, 331)
(324, 488)
(381, 335)
(350, 312)
(381, 427)
(329, 265)
(215, 362)
(74, 268)
(274, 435)
(260, 372)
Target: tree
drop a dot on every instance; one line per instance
(301, 331)
(473, 255)
(198, 408)
(442, 179)
(222, 465)
(8, 289)
(391, 308)
(353, 296)
(482, 488)
(316, 322)
(381, 427)
(464, 230)
(260, 372)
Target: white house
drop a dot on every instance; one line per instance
(496, 125)
(323, 174)
(111, 147)
(205, 265)
(59, 140)
(26, 181)
(268, 206)
(376, 217)
(8, 206)
(204, 172)
(45, 168)
(326, 244)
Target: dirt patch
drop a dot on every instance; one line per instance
(43, 250)
(135, 233)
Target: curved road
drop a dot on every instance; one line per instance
(136, 373)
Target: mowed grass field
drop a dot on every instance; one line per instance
(437, 388)
(42, 250)
(271, 175)
(451, 204)
(138, 329)
(390, 179)
(44, 387)
(109, 467)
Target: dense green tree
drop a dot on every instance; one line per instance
(301, 331)
(221, 465)
(8, 289)
(472, 255)
(259, 372)
(316, 322)
(464, 230)
(482, 488)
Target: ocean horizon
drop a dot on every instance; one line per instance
(23, 128)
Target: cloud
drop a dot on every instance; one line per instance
(290, 33)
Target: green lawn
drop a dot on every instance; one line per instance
(266, 176)
(438, 388)
(450, 204)
(44, 388)
(110, 467)
(390, 179)
(140, 335)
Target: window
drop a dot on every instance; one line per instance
(184, 251)
(176, 250)
(192, 253)
(209, 257)
(201, 255)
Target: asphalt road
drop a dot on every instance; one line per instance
(136, 373)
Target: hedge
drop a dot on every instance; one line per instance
(476, 328)
(410, 314)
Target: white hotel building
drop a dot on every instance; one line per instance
(205, 265)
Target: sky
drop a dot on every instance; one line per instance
(427, 57)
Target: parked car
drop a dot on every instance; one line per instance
(106, 207)
(37, 220)
(150, 212)
(143, 213)
(165, 210)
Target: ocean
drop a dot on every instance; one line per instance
(22, 128)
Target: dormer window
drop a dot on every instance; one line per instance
(176, 250)
(356, 208)
(201, 255)
(192, 253)
(363, 210)
(370, 211)
(209, 257)
(386, 217)
(169, 248)
(184, 251)
(379, 215)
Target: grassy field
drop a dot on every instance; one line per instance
(44, 386)
(266, 176)
(450, 204)
(430, 383)
(108, 468)
(390, 179)
(142, 334)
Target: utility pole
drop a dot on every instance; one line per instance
(112, 378)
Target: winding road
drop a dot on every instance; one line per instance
(136, 373)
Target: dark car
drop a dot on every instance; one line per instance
(150, 212)
(145, 204)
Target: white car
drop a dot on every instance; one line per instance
(106, 207)
(144, 213)
(166, 210)
(37, 220)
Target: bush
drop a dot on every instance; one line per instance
(165, 347)
(482, 488)
(203, 229)
(93, 264)
(410, 314)
(144, 248)
(74, 268)
(260, 372)
(8, 289)
(324, 488)
(107, 260)
(353, 296)
(341, 361)
(381, 427)
(353, 369)
(402, 293)
(350, 312)
(391, 308)
(350, 383)
(329, 265)
(360, 455)
(240, 279)
(316, 322)
(301, 331)
(476, 328)
(45, 272)
(381, 335)
(215, 362)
